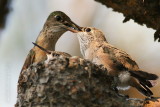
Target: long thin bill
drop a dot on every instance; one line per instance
(72, 27)
(41, 48)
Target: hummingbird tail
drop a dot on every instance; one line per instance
(144, 77)
(144, 90)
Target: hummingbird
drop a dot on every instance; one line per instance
(56, 24)
(52, 54)
(95, 48)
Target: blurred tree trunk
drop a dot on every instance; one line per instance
(4, 10)
(141, 11)
(70, 82)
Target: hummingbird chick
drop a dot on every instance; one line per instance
(94, 47)
(56, 24)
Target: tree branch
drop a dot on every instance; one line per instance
(4, 10)
(141, 11)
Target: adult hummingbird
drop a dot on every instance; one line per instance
(56, 24)
(94, 47)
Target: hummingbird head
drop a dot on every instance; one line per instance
(89, 34)
(60, 22)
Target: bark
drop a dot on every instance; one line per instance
(141, 11)
(70, 82)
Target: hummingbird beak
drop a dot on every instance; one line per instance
(72, 27)
(41, 48)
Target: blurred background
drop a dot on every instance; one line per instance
(26, 19)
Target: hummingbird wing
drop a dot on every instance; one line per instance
(119, 57)
(29, 60)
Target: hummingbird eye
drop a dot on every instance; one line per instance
(88, 29)
(58, 18)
